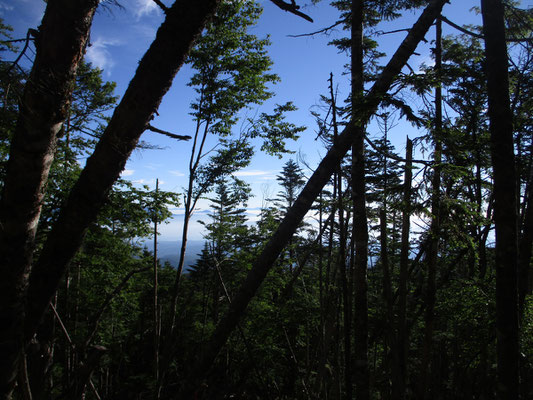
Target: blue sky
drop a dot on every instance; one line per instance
(120, 37)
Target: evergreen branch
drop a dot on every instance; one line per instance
(169, 134)
(292, 7)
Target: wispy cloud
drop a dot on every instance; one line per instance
(152, 166)
(100, 55)
(145, 7)
(6, 7)
(176, 173)
(255, 172)
(267, 177)
(128, 172)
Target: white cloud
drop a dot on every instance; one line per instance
(176, 173)
(128, 172)
(145, 7)
(253, 172)
(152, 166)
(99, 55)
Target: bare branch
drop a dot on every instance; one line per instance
(460, 28)
(161, 5)
(323, 30)
(61, 324)
(393, 156)
(31, 32)
(169, 134)
(292, 8)
(480, 36)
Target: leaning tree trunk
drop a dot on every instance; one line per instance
(505, 199)
(183, 23)
(60, 43)
(303, 203)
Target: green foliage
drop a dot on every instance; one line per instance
(130, 212)
(231, 67)
(274, 130)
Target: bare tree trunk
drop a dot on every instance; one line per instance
(429, 315)
(155, 289)
(524, 253)
(387, 297)
(505, 199)
(360, 223)
(303, 203)
(398, 392)
(60, 44)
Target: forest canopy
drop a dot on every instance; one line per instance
(377, 273)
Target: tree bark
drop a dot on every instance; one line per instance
(524, 250)
(402, 341)
(303, 203)
(505, 199)
(183, 23)
(360, 223)
(432, 258)
(60, 44)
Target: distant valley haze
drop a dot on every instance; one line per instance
(169, 251)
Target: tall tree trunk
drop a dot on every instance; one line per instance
(429, 315)
(60, 44)
(155, 290)
(505, 199)
(341, 262)
(183, 23)
(524, 250)
(390, 336)
(360, 224)
(398, 391)
(303, 203)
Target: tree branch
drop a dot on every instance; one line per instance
(292, 8)
(169, 134)
(31, 32)
(323, 30)
(480, 36)
(393, 156)
(161, 5)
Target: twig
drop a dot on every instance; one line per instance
(169, 134)
(323, 30)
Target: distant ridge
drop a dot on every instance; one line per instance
(169, 251)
